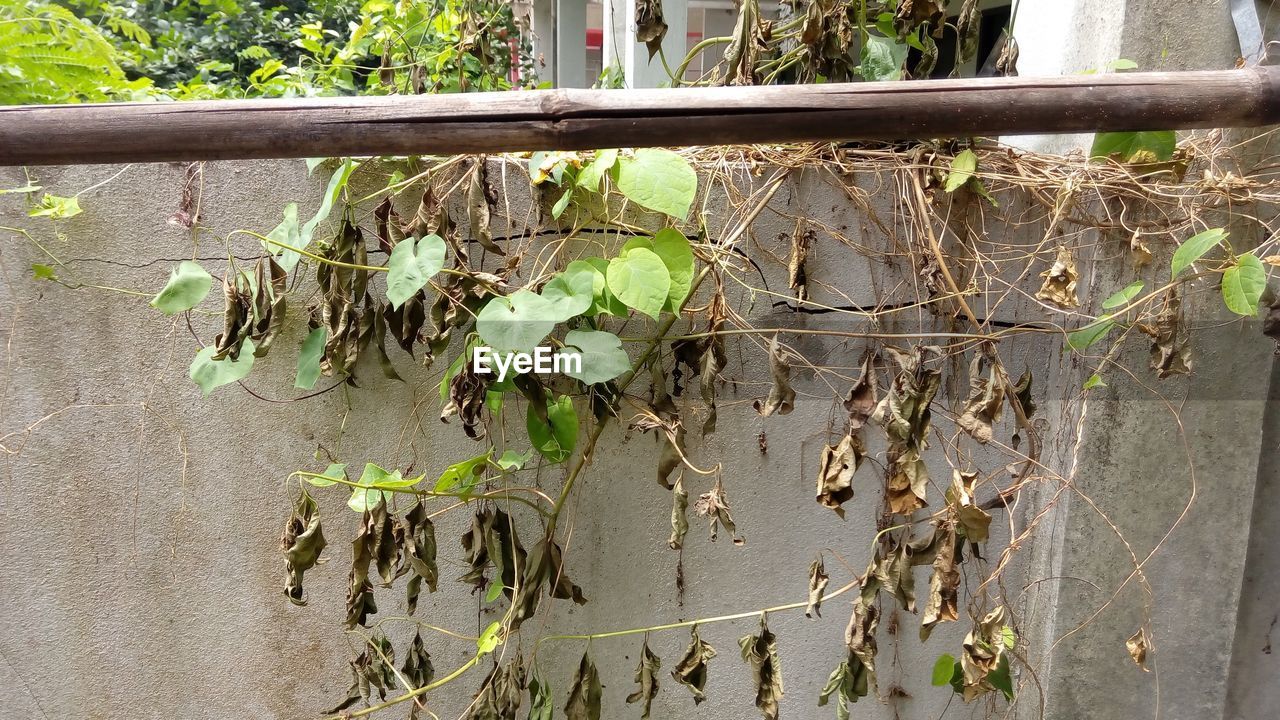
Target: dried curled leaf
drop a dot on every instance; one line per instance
(650, 26)
(861, 400)
(544, 566)
(1170, 340)
(911, 14)
(760, 651)
(908, 482)
(478, 202)
(369, 672)
(237, 316)
(817, 587)
(944, 582)
(972, 522)
(302, 543)
(664, 420)
(418, 543)
(835, 472)
(467, 392)
(691, 671)
(856, 676)
(744, 50)
(782, 397)
(500, 695)
(797, 274)
(968, 26)
(1138, 645)
(584, 692)
(418, 670)
(360, 602)
(714, 505)
(679, 519)
(646, 680)
(983, 660)
(346, 310)
(1060, 280)
(985, 402)
(492, 539)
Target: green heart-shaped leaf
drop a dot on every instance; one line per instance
(188, 285)
(411, 265)
(639, 278)
(1243, 284)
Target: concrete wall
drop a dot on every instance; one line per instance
(141, 573)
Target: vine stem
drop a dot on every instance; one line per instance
(432, 493)
(410, 695)
(703, 621)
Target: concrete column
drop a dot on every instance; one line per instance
(571, 44)
(543, 20)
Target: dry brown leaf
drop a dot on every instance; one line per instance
(760, 651)
(1170, 340)
(797, 275)
(835, 472)
(782, 397)
(714, 505)
(817, 586)
(944, 582)
(1060, 280)
(691, 671)
(1138, 645)
(985, 403)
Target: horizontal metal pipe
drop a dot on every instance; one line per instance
(582, 119)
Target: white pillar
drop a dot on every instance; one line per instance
(544, 26)
(571, 44)
(620, 46)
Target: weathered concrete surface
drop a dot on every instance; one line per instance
(142, 573)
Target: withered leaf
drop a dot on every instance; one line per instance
(968, 26)
(360, 602)
(584, 692)
(387, 224)
(1138, 251)
(369, 672)
(346, 310)
(500, 695)
(664, 419)
(905, 412)
(801, 241)
(861, 400)
(1060, 280)
(713, 359)
(418, 542)
(782, 397)
(1138, 645)
(848, 682)
(817, 586)
(835, 472)
(385, 538)
(892, 570)
(646, 680)
(679, 519)
(302, 543)
(908, 482)
(983, 652)
(1022, 391)
(418, 670)
(691, 671)
(1271, 323)
(237, 316)
(650, 26)
(985, 402)
(405, 322)
(478, 208)
(856, 676)
(492, 539)
(973, 522)
(1170, 340)
(760, 651)
(467, 392)
(544, 566)
(912, 13)
(268, 305)
(714, 505)
(944, 582)
(744, 50)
